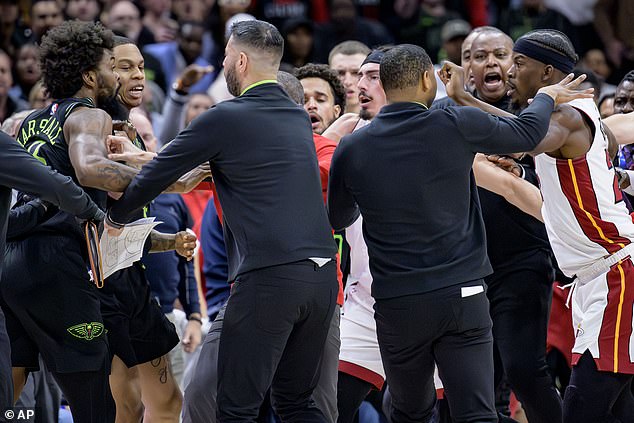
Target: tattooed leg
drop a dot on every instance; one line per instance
(160, 392)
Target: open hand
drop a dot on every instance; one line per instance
(121, 149)
(341, 127)
(566, 90)
(192, 74)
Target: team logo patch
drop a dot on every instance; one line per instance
(87, 331)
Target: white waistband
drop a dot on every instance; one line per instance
(603, 265)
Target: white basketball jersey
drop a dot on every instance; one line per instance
(583, 208)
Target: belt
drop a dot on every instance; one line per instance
(598, 268)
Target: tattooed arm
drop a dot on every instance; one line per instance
(183, 242)
(85, 131)
(191, 179)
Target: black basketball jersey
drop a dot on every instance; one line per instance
(42, 135)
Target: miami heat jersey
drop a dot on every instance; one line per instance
(583, 208)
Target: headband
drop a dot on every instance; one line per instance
(544, 55)
(375, 56)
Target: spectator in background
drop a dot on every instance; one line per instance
(346, 59)
(124, 18)
(279, 12)
(298, 42)
(591, 81)
(156, 18)
(217, 24)
(596, 61)
(13, 32)
(426, 30)
(176, 111)
(26, 70)
(84, 10)
(613, 22)
(38, 97)
(453, 34)
(345, 25)
(580, 13)
(45, 14)
(533, 14)
(606, 105)
(175, 56)
(8, 104)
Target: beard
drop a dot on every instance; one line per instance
(233, 85)
(107, 98)
(365, 114)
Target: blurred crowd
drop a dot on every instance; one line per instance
(173, 34)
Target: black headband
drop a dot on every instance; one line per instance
(375, 56)
(544, 55)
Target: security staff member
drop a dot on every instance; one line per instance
(20, 170)
(409, 174)
(279, 244)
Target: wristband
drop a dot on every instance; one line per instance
(195, 319)
(112, 223)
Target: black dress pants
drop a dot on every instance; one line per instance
(273, 335)
(452, 327)
(520, 307)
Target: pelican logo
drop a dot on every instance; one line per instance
(87, 331)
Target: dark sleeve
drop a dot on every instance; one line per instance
(493, 134)
(214, 260)
(21, 171)
(187, 286)
(24, 218)
(198, 143)
(342, 207)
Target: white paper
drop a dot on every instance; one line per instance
(119, 252)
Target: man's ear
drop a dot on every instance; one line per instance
(425, 82)
(89, 78)
(337, 109)
(243, 62)
(547, 73)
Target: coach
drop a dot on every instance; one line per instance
(279, 245)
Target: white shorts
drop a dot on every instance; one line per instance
(602, 319)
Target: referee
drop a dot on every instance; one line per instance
(409, 174)
(20, 170)
(279, 244)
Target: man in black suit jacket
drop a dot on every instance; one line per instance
(279, 244)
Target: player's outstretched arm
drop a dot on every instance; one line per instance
(522, 194)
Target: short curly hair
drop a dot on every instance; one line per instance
(69, 50)
(312, 70)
